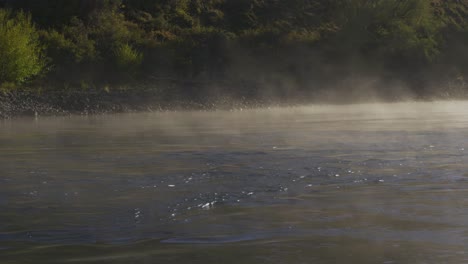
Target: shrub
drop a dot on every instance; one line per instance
(21, 54)
(127, 58)
(72, 45)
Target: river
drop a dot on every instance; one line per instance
(370, 183)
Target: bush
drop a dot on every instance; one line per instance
(127, 58)
(72, 45)
(21, 54)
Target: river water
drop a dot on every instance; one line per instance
(368, 183)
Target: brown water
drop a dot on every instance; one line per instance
(320, 184)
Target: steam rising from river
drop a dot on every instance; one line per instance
(389, 116)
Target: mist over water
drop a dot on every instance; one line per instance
(368, 183)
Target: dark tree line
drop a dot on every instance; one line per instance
(250, 47)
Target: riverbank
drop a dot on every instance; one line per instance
(32, 102)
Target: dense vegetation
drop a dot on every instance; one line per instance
(243, 48)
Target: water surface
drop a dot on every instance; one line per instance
(319, 184)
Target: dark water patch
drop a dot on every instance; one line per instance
(214, 240)
(61, 237)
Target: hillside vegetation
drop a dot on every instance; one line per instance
(240, 48)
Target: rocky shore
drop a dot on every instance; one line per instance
(55, 103)
(30, 103)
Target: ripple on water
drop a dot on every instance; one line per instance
(214, 239)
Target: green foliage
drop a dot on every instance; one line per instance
(398, 24)
(414, 30)
(21, 54)
(127, 58)
(105, 41)
(72, 45)
(109, 27)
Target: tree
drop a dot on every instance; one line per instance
(21, 54)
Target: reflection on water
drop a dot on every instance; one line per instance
(321, 184)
